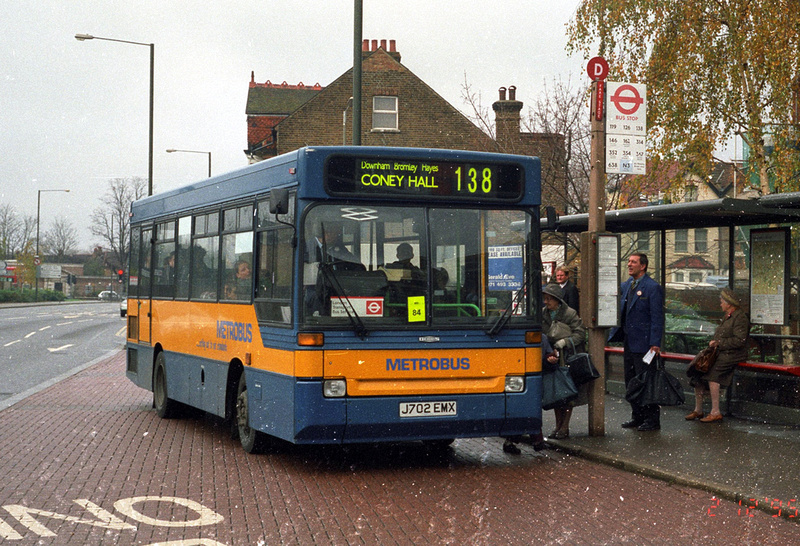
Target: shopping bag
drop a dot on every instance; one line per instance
(655, 386)
(557, 388)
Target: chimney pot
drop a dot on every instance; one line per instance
(512, 92)
(502, 93)
(392, 45)
(374, 45)
(365, 45)
(383, 45)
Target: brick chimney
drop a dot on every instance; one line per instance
(507, 118)
(367, 48)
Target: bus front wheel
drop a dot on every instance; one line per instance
(165, 406)
(252, 440)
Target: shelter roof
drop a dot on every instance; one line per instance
(775, 208)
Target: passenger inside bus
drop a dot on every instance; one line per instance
(239, 287)
(440, 292)
(332, 251)
(332, 258)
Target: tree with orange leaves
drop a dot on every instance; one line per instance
(714, 68)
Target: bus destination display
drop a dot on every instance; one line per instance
(348, 175)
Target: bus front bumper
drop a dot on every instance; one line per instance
(320, 420)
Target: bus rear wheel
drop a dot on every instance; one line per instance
(165, 406)
(252, 440)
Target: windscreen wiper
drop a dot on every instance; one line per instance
(330, 276)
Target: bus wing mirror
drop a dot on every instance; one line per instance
(279, 201)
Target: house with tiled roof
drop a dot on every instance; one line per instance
(267, 105)
(398, 109)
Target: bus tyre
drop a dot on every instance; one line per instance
(252, 440)
(165, 407)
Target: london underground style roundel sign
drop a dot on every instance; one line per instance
(626, 108)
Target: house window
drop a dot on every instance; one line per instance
(701, 240)
(643, 241)
(677, 277)
(691, 193)
(384, 113)
(681, 240)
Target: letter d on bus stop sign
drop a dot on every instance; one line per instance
(597, 68)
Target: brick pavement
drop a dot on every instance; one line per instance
(89, 451)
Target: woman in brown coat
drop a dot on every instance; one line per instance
(731, 338)
(566, 332)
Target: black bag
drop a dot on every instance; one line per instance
(655, 386)
(581, 368)
(558, 389)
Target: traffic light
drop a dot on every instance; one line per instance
(121, 274)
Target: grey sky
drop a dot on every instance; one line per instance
(74, 114)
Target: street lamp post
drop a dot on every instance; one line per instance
(173, 150)
(38, 216)
(81, 38)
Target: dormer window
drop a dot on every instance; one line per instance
(384, 113)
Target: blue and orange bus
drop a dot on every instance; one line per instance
(344, 294)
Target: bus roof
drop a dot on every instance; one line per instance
(286, 170)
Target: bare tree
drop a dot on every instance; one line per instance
(9, 229)
(111, 222)
(16, 231)
(61, 239)
(564, 110)
(481, 115)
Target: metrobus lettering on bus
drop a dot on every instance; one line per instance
(298, 302)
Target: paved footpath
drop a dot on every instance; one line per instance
(87, 461)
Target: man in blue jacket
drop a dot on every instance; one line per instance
(642, 330)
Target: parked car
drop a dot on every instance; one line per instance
(123, 306)
(108, 295)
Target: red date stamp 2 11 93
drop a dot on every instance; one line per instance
(776, 508)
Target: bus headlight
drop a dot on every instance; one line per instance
(515, 383)
(334, 388)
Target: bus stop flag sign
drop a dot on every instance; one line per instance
(597, 68)
(626, 128)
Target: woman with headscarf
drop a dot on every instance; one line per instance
(731, 339)
(564, 328)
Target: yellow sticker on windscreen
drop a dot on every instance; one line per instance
(416, 309)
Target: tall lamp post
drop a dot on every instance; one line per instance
(81, 38)
(38, 216)
(173, 150)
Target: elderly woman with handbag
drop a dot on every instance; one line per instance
(564, 328)
(730, 338)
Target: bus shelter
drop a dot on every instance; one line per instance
(694, 250)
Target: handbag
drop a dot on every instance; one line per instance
(558, 389)
(655, 386)
(705, 359)
(581, 368)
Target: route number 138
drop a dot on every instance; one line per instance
(472, 179)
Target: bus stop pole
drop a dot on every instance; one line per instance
(597, 224)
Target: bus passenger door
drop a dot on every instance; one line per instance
(145, 286)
